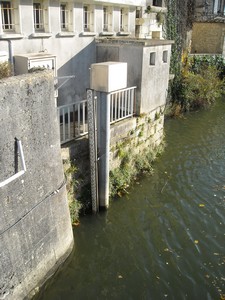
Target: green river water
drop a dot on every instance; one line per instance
(166, 238)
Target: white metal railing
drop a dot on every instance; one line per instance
(73, 117)
(72, 120)
(122, 104)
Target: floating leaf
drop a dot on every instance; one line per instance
(201, 205)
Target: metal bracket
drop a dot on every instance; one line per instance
(18, 174)
(66, 78)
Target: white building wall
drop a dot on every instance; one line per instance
(75, 50)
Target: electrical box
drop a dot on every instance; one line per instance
(25, 62)
(108, 76)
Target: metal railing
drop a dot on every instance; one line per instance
(73, 120)
(122, 104)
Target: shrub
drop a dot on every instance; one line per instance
(75, 207)
(203, 87)
(70, 170)
(130, 167)
(5, 70)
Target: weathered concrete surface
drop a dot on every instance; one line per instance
(35, 228)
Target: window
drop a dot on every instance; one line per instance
(86, 18)
(63, 17)
(41, 16)
(38, 16)
(123, 19)
(152, 59)
(138, 13)
(165, 56)
(66, 17)
(157, 3)
(107, 19)
(7, 16)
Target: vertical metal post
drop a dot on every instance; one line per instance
(103, 147)
(64, 128)
(91, 110)
(74, 132)
(69, 135)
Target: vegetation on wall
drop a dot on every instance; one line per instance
(148, 9)
(160, 18)
(75, 206)
(130, 167)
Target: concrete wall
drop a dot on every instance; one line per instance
(155, 78)
(35, 228)
(151, 80)
(208, 38)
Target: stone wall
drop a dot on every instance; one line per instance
(137, 135)
(208, 38)
(35, 228)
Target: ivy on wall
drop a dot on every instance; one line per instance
(198, 81)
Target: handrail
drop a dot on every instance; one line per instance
(18, 174)
(72, 117)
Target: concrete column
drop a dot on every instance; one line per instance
(103, 147)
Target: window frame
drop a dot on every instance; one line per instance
(88, 18)
(105, 19)
(124, 19)
(7, 16)
(41, 18)
(107, 23)
(67, 15)
(63, 16)
(165, 56)
(13, 22)
(152, 58)
(38, 15)
(157, 3)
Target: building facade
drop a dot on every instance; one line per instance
(67, 30)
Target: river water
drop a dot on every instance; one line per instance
(166, 238)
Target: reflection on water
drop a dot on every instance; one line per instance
(165, 239)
